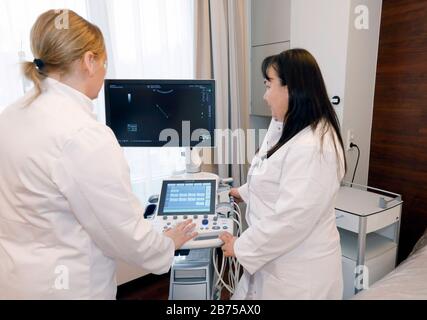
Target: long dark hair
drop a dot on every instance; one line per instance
(309, 104)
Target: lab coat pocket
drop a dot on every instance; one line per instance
(284, 282)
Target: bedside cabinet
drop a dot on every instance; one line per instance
(368, 221)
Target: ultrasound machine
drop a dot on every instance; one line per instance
(179, 113)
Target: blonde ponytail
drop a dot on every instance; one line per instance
(32, 73)
(58, 45)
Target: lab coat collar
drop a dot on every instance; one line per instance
(83, 101)
(273, 135)
(276, 127)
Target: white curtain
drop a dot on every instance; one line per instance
(239, 84)
(225, 23)
(16, 20)
(146, 39)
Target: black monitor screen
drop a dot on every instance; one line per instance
(152, 113)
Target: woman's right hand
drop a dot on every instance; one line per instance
(181, 233)
(234, 192)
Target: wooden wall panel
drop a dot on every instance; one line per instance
(398, 159)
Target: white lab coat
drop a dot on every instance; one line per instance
(66, 206)
(291, 249)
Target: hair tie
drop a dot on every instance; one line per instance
(39, 63)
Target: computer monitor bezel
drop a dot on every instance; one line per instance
(162, 199)
(108, 82)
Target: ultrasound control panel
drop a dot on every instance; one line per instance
(192, 199)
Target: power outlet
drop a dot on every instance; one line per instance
(349, 140)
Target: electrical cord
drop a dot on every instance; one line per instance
(353, 145)
(229, 263)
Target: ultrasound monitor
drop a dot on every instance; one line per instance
(187, 197)
(138, 112)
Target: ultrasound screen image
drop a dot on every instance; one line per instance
(138, 111)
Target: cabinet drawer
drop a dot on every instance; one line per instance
(383, 219)
(347, 221)
(374, 222)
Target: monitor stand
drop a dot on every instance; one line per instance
(193, 161)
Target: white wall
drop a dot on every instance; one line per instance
(320, 26)
(269, 25)
(270, 34)
(362, 56)
(347, 57)
(270, 21)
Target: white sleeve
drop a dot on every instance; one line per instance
(244, 192)
(306, 185)
(93, 176)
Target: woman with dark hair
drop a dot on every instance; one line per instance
(291, 249)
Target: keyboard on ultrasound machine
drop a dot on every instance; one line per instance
(192, 199)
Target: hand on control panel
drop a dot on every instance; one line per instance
(181, 233)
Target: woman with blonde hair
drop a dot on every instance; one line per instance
(66, 206)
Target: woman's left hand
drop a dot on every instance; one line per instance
(228, 247)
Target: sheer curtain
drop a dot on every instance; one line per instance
(146, 39)
(16, 20)
(227, 57)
